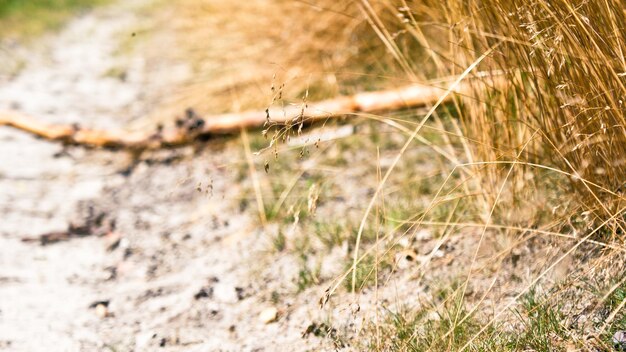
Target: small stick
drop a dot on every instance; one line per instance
(189, 130)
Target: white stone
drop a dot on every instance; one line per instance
(268, 315)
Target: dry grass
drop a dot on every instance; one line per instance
(564, 62)
(539, 162)
(240, 50)
(552, 142)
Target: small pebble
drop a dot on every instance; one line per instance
(102, 311)
(619, 340)
(268, 315)
(101, 308)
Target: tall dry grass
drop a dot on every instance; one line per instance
(545, 150)
(241, 49)
(563, 105)
(554, 133)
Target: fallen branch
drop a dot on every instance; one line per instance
(189, 129)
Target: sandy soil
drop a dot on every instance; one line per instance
(172, 264)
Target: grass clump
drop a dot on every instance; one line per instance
(366, 272)
(430, 329)
(543, 325)
(538, 327)
(27, 18)
(307, 275)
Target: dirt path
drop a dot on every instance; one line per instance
(176, 243)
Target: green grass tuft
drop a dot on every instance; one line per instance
(21, 19)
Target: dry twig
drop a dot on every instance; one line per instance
(189, 129)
